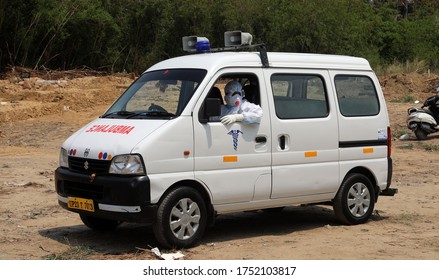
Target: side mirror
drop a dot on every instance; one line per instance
(210, 108)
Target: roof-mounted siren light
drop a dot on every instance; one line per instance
(196, 44)
(240, 40)
(237, 38)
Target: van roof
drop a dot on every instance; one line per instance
(218, 60)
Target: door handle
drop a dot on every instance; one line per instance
(261, 139)
(282, 141)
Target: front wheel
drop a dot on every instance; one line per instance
(181, 218)
(355, 200)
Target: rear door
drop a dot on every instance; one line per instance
(305, 134)
(363, 123)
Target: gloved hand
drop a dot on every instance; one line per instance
(229, 119)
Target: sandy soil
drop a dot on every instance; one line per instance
(38, 114)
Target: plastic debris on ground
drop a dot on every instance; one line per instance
(169, 256)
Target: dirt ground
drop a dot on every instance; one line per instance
(38, 113)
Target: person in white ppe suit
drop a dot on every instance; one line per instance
(238, 109)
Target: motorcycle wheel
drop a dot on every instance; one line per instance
(420, 134)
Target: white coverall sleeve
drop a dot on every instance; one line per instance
(252, 113)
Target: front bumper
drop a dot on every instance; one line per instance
(122, 198)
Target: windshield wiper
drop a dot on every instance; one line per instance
(152, 113)
(119, 113)
(130, 115)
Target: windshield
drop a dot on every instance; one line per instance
(157, 94)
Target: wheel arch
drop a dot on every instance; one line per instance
(200, 188)
(369, 174)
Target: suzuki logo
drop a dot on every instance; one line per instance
(86, 165)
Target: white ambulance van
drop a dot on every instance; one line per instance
(160, 156)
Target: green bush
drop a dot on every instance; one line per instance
(117, 35)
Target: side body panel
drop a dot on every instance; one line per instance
(363, 139)
(168, 154)
(306, 164)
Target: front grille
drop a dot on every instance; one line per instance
(83, 190)
(89, 166)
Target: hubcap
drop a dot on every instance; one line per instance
(358, 200)
(185, 219)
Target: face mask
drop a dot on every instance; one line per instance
(234, 99)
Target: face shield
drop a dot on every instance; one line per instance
(234, 93)
(234, 99)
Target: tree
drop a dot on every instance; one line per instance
(131, 35)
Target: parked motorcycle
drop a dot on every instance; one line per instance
(423, 121)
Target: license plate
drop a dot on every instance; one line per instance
(81, 204)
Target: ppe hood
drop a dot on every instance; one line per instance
(106, 138)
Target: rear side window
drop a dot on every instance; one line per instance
(356, 95)
(299, 96)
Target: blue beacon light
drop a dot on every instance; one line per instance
(202, 46)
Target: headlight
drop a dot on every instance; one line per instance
(127, 165)
(63, 158)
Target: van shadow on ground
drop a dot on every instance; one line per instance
(259, 223)
(128, 238)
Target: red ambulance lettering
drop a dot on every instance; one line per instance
(119, 129)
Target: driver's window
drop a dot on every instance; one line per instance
(250, 87)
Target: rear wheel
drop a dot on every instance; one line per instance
(355, 200)
(421, 134)
(98, 223)
(181, 218)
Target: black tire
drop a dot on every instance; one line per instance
(421, 134)
(181, 218)
(98, 223)
(355, 200)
